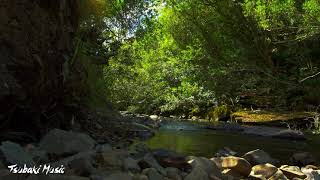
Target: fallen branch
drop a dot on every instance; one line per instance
(312, 76)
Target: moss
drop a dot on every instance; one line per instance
(269, 116)
(219, 113)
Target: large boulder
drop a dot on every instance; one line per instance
(111, 159)
(173, 173)
(168, 158)
(259, 157)
(292, 172)
(62, 142)
(13, 153)
(239, 165)
(197, 173)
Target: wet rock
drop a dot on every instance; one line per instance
(259, 157)
(82, 155)
(225, 152)
(274, 132)
(152, 174)
(39, 156)
(217, 161)
(303, 159)
(55, 177)
(131, 165)
(168, 158)
(263, 171)
(311, 174)
(206, 164)
(139, 150)
(237, 164)
(119, 176)
(63, 142)
(173, 173)
(13, 153)
(153, 163)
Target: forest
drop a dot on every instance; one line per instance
(160, 89)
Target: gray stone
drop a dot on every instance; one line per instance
(131, 165)
(140, 177)
(14, 154)
(205, 164)
(303, 159)
(259, 157)
(119, 176)
(152, 162)
(82, 167)
(55, 177)
(173, 173)
(197, 173)
(225, 152)
(63, 142)
(152, 174)
(82, 155)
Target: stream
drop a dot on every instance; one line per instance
(191, 139)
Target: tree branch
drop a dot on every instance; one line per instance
(312, 76)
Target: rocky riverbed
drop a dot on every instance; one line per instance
(82, 158)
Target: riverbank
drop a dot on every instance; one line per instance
(82, 157)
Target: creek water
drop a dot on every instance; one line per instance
(193, 140)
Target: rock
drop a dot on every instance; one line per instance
(173, 173)
(289, 134)
(292, 172)
(168, 158)
(263, 171)
(231, 173)
(55, 177)
(206, 164)
(82, 155)
(14, 154)
(2, 166)
(112, 159)
(152, 162)
(9, 176)
(225, 152)
(217, 161)
(259, 157)
(140, 177)
(131, 165)
(303, 159)
(61, 142)
(152, 174)
(154, 117)
(197, 173)
(139, 150)
(103, 147)
(119, 176)
(82, 167)
(237, 164)
(311, 174)
(278, 176)
(37, 155)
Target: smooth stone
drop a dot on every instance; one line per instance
(119, 176)
(131, 165)
(206, 164)
(237, 164)
(259, 157)
(278, 176)
(292, 172)
(303, 159)
(173, 173)
(153, 163)
(225, 152)
(152, 174)
(197, 173)
(62, 142)
(112, 159)
(263, 171)
(311, 174)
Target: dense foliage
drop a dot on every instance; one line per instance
(191, 55)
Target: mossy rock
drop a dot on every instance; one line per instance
(219, 113)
